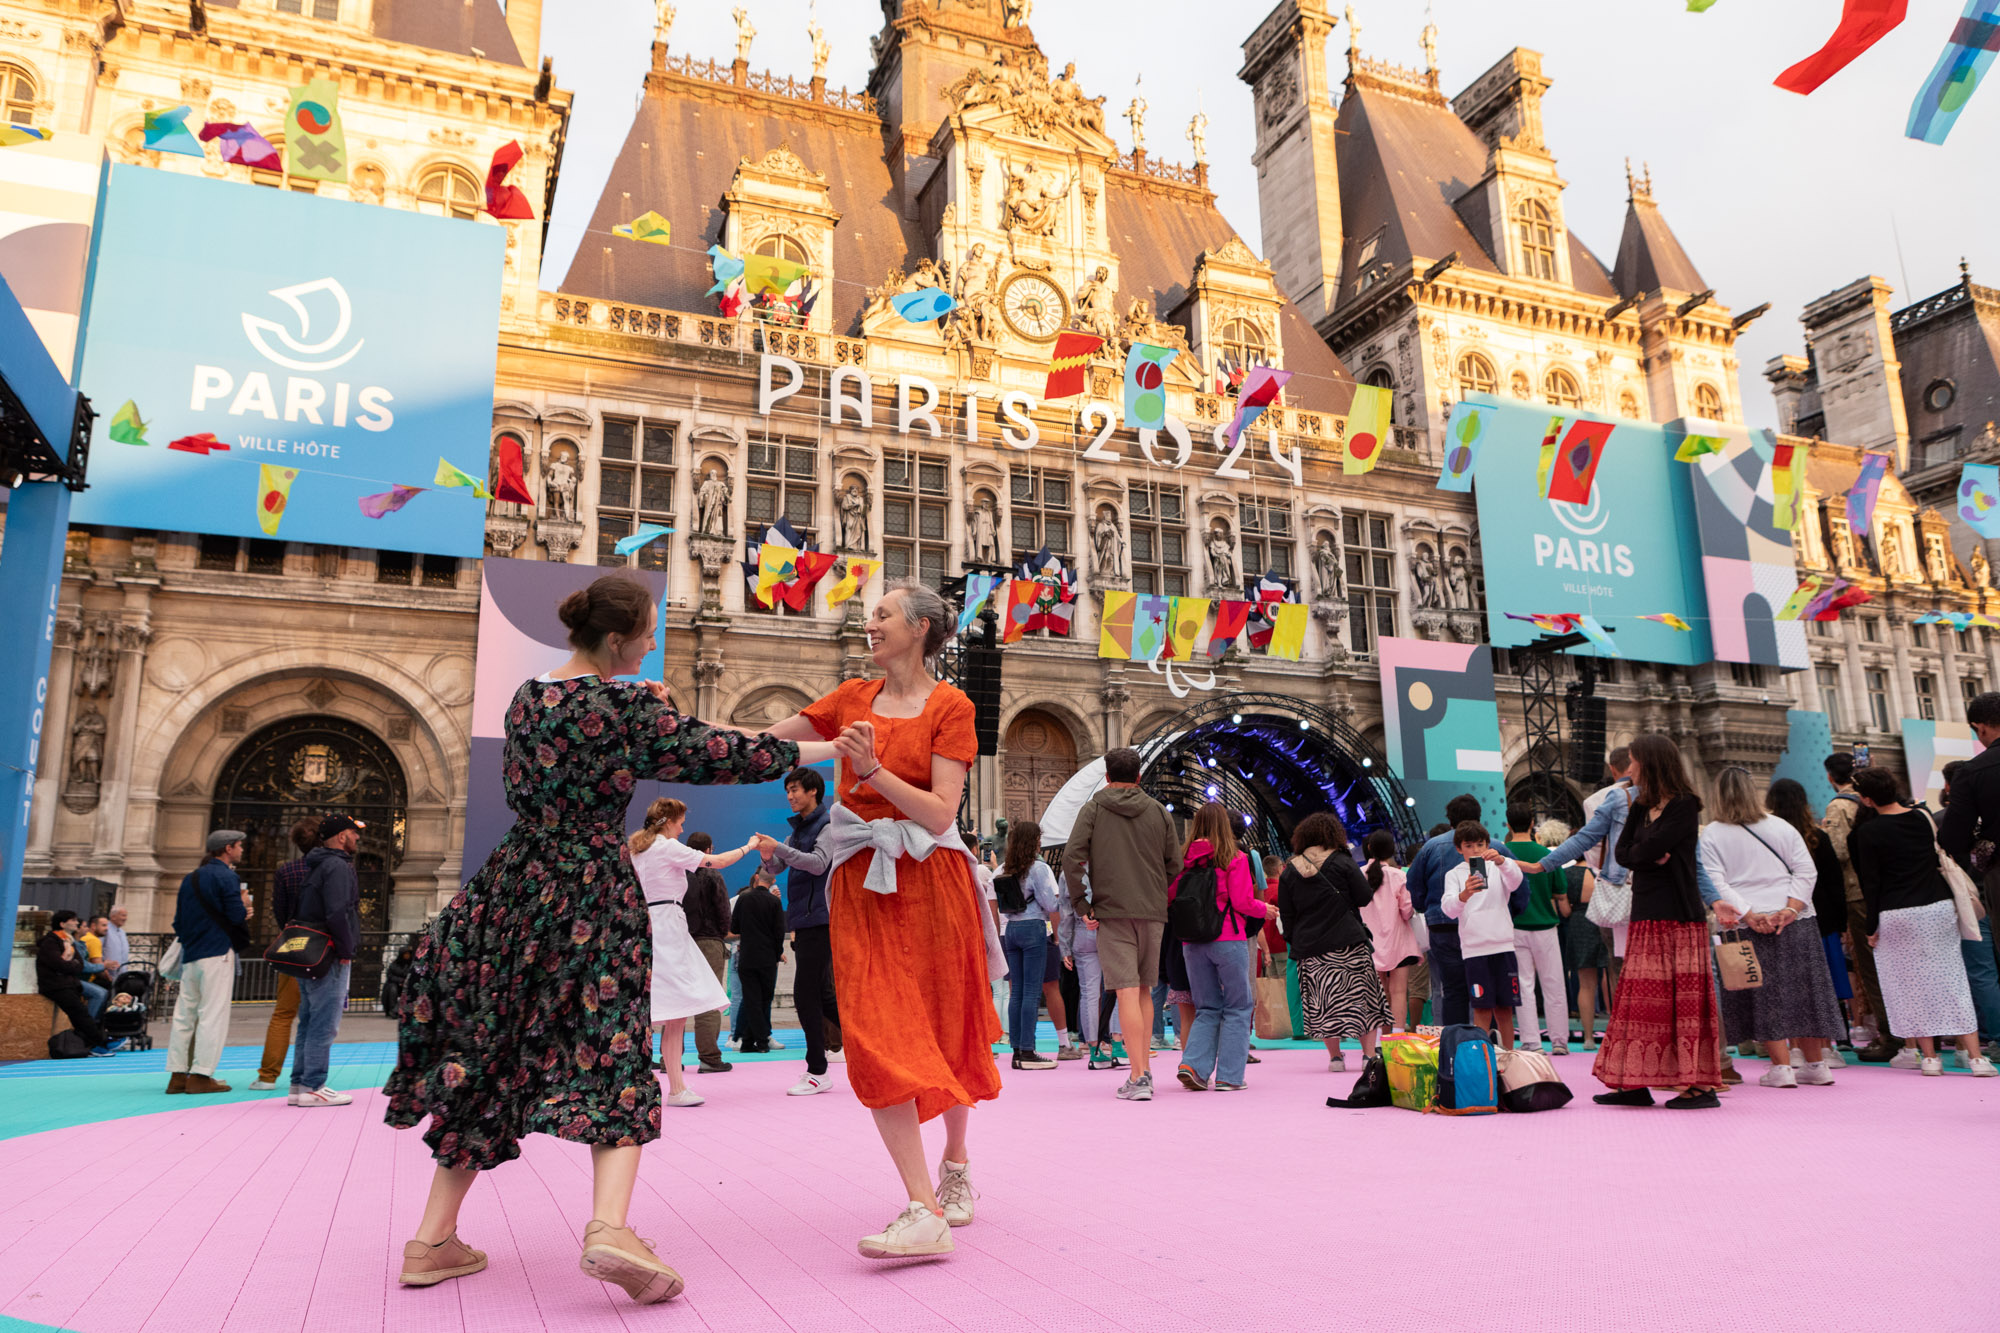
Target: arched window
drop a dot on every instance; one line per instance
(1538, 240)
(449, 190)
(780, 246)
(1382, 379)
(1628, 406)
(1559, 387)
(17, 95)
(1243, 343)
(1707, 402)
(1475, 374)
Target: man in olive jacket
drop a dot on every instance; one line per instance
(1127, 841)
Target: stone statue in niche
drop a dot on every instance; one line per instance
(1094, 307)
(978, 307)
(1891, 552)
(1458, 582)
(982, 533)
(853, 517)
(93, 661)
(1424, 573)
(711, 504)
(1329, 581)
(1843, 546)
(1031, 198)
(1107, 544)
(559, 488)
(1222, 578)
(86, 748)
(1982, 570)
(746, 32)
(1939, 562)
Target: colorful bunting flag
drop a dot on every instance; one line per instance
(458, 479)
(978, 587)
(1270, 590)
(1832, 606)
(242, 143)
(769, 273)
(1671, 621)
(1114, 629)
(1184, 621)
(13, 136)
(1055, 592)
(274, 491)
(923, 305)
(1018, 615)
(511, 483)
(1261, 388)
(809, 567)
(1576, 462)
(167, 132)
(1978, 498)
(1801, 597)
(1367, 429)
(1967, 57)
(775, 565)
(726, 267)
(1549, 623)
(1694, 446)
(389, 501)
(1149, 626)
(1700, 6)
(647, 534)
(1788, 479)
(859, 571)
(1861, 496)
(1862, 24)
(1231, 618)
(1464, 434)
(315, 143)
(1288, 632)
(503, 200)
(1069, 363)
(1146, 386)
(1599, 638)
(1547, 464)
(1825, 599)
(649, 227)
(203, 444)
(127, 427)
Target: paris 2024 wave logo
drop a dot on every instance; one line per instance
(1585, 552)
(319, 345)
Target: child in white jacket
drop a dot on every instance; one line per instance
(1476, 895)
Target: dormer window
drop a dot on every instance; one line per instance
(326, 10)
(1707, 402)
(780, 246)
(1537, 236)
(1239, 346)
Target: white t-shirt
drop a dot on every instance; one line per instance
(663, 867)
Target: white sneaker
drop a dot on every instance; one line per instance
(955, 1193)
(916, 1231)
(1932, 1067)
(685, 1097)
(1907, 1058)
(1778, 1076)
(1861, 1036)
(320, 1097)
(809, 1085)
(1534, 1046)
(1815, 1074)
(1336, 1064)
(1984, 1068)
(1834, 1059)
(836, 1057)
(1798, 1058)
(1559, 1048)
(263, 1085)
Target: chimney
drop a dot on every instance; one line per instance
(524, 20)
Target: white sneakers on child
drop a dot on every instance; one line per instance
(1982, 1067)
(916, 1231)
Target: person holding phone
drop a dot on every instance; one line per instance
(1480, 894)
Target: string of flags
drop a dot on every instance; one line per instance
(764, 280)
(779, 569)
(1147, 627)
(1862, 495)
(1069, 364)
(1967, 56)
(648, 226)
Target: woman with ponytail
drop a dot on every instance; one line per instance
(684, 985)
(1387, 915)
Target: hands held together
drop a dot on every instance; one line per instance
(856, 744)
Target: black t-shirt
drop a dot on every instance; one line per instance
(706, 903)
(759, 918)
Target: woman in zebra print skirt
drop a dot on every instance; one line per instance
(1320, 896)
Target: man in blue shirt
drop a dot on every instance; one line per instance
(209, 926)
(806, 919)
(1433, 861)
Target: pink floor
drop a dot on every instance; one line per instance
(1867, 1205)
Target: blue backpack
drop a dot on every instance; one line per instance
(1468, 1072)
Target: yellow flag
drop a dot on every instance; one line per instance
(448, 476)
(775, 565)
(768, 273)
(1184, 624)
(1288, 631)
(1114, 638)
(274, 491)
(858, 573)
(1367, 429)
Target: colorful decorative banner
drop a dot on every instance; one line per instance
(1270, 590)
(649, 227)
(453, 478)
(1576, 462)
(1231, 618)
(856, 578)
(1367, 429)
(1545, 465)
(1441, 724)
(1590, 629)
(1114, 628)
(727, 268)
(769, 273)
(1862, 495)
(1828, 606)
(1927, 748)
(647, 534)
(1288, 631)
(242, 143)
(1055, 593)
(1748, 563)
(1149, 626)
(1549, 622)
(775, 565)
(203, 444)
(1979, 498)
(1019, 609)
(274, 490)
(1671, 621)
(503, 200)
(1184, 621)
(315, 143)
(511, 484)
(1463, 434)
(923, 305)
(389, 501)
(1261, 388)
(1700, 6)
(1788, 479)
(978, 588)
(13, 136)
(1069, 363)
(809, 567)
(1968, 55)
(1146, 386)
(1808, 741)
(1862, 24)
(1694, 446)
(1822, 601)
(126, 425)
(1795, 605)
(167, 132)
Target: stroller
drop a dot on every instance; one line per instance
(125, 1012)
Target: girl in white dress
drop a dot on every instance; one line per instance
(684, 985)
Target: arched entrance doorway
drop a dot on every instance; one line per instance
(1273, 760)
(1551, 796)
(313, 765)
(1041, 756)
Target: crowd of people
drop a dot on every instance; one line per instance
(532, 1002)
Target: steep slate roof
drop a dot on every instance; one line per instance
(451, 26)
(1650, 256)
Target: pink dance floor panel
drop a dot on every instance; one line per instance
(1199, 1211)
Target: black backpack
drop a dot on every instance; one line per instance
(67, 1045)
(1195, 916)
(1011, 894)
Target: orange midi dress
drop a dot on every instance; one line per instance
(916, 1008)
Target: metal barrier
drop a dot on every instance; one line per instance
(256, 983)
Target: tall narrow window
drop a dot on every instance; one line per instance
(1878, 699)
(1475, 374)
(1371, 579)
(915, 509)
(1559, 387)
(17, 95)
(1040, 505)
(636, 482)
(1971, 687)
(1927, 708)
(1159, 538)
(1707, 402)
(450, 191)
(1829, 696)
(1537, 235)
(1266, 526)
(1382, 379)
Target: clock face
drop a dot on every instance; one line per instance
(1033, 306)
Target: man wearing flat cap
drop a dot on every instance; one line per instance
(209, 926)
(331, 896)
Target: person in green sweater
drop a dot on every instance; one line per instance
(1537, 949)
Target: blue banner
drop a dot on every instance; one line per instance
(284, 356)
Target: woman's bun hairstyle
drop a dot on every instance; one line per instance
(613, 604)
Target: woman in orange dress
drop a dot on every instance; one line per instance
(916, 1009)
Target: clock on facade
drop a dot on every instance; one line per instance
(1033, 306)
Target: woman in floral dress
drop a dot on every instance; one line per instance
(528, 1006)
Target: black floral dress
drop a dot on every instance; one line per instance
(527, 1007)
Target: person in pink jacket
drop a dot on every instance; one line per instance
(1388, 918)
(1218, 1043)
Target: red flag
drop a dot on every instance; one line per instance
(1069, 364)
(1852, 597)
(810, 567)
(512, 484)
(502, 199)
(1862, 24)
(1017, 617)
(1576, 461)
(1230, 618)
(199, 444)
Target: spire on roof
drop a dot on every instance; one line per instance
(1650, 256)
(1639, 189)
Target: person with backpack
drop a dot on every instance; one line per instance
(1213, 907)
(1322, 896)
(1877, 1044)
(1029, 899)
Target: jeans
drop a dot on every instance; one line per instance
(1448, 976)
(733, 984)
(1538, 953)
(1984, 976)
(1160, 1007)
(321, 1003)
(1026, 945)
(1089, 998)
(812, 989)
(96, 996)
(1219, 1041)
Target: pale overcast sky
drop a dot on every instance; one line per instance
(1776, 197)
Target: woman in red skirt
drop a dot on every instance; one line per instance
(1664, 1030)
